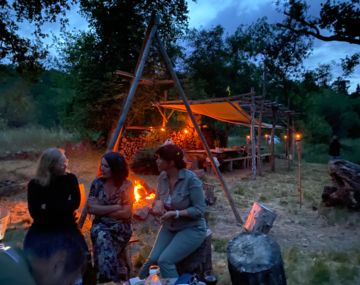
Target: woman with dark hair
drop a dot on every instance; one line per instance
(180, 202)
(110, 201)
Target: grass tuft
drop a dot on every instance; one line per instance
(319, 273)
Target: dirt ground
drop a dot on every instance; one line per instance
(317, 243)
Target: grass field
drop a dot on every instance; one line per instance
(33, 139)
(319, 245)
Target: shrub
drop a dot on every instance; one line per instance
(144, 162)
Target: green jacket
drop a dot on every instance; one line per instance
(188, 194)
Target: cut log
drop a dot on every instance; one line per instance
(254, 259)
(260, 219)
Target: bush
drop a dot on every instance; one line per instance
(144, 162)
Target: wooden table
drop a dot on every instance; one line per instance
(223, 155)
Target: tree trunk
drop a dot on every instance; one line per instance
(255, 259)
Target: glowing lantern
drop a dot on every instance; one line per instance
(285, 137)
(162, 129)
(298, 137)
(186, 131)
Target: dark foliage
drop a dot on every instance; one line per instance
(144, 162)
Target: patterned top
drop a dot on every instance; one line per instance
(187, 194)
(124, 195)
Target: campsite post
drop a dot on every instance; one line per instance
(181, 92)
(299, 150)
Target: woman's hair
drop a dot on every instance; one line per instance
(171, 152)
(46, 165)
(118, 166)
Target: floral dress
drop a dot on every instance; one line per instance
(109, 236)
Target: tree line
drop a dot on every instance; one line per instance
(84, 93)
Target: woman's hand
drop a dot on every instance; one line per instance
(168, 215)
(158, 208)
(91, 203)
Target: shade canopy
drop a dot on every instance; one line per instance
(226, 111)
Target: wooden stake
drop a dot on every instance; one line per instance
(259, 139)
(252, 136)
(197, 128)
(138, 72)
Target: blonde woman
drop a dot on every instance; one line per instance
(53, 194)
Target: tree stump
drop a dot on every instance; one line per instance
(255, 259)
(199, 261)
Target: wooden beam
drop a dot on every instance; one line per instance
(197, 128)
(272, 140)
(259, 141)
(151, 31)
(252, 135)
(145, 81)
(205, 101)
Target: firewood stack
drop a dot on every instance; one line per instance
(185, 140)
(129, 146)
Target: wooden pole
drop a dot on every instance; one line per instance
(138, 72)
(252, 136)
(288, 143)
(197, 128)
(259, 138)
(299, 151)
(292, 140)
(272, 138)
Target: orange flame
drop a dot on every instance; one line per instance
(140, 193)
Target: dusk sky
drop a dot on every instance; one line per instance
(232, 13)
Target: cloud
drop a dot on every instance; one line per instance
(232, 13)
(204, 11)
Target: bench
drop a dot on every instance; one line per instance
(231, 160)
(246, 159)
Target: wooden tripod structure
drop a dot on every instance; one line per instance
(150, 35)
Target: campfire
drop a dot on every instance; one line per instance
(144, 197)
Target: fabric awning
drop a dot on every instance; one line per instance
(221, 111)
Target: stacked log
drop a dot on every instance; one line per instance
(129, 146)
(184, 140)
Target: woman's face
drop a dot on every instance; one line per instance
(105, 169)
(62, 165)
(163, 165)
